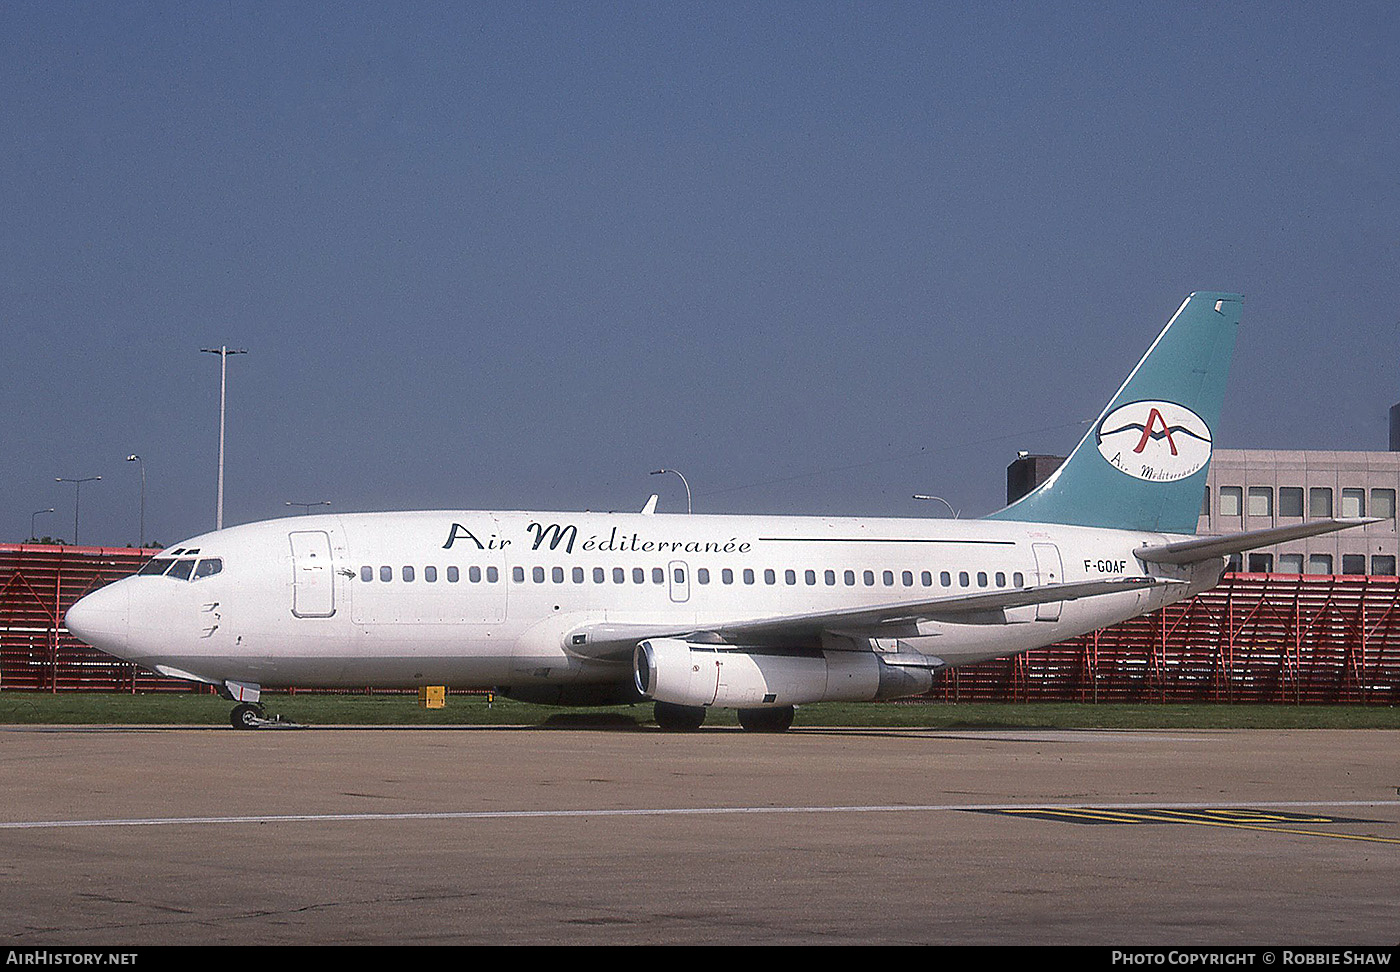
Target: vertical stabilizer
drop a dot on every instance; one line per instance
(1143, 464)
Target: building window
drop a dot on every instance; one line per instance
(1320, 502)
(1291, 563)
(1261, 501)
(1231, 500)
(1383, 504)
(1205, 502)
(1233, 563)
(1290, 501)
(1353, 563)
(1261, 563)
(1353, 503)
(1383, 564)
(1319, 563)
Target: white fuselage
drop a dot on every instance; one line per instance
(493, 599)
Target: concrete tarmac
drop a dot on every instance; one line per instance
(132, 836)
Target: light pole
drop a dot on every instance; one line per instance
(921, 496)
(223, 352)
(33, 535)
(683, 479)
(306, 507)
(77, 495)
(142, 463)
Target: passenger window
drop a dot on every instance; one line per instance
(408, 573)
(639, 576)
(599, 575)
(658, 576)
(850, 578)
(453, 575)
(430, 574)
(1018, 579)
(748, 575)
(1001, 579)
(208, 568)
(726, 575)
(366, 574)
(945, 578)
(517, 574)
(538, 574)
(386, 574)
(578, 575)
(619, 575)
(702, 574)
(557, 575)
(981, 578)
(908, 578)
(790, 576)
(869, 578)
(888, 578)
(492, 575)
(926, 579)
(474, 574)
(769, 577)
(830, 578)
(181, 570)
(810, 576)
(963, 579)
(679, 575)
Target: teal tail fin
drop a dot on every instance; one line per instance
(1143, 464)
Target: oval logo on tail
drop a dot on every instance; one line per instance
(1160, 442)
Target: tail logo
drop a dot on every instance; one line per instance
(1160, 442)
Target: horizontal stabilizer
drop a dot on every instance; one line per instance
(1204, 548)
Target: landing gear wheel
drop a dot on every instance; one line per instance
(679, 718)
(245, 716)
(767, 720)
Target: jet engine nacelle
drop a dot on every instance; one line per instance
(685, 673)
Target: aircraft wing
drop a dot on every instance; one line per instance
(614, 642)
(1204, 548)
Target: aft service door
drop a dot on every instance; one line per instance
(313, 580)
(1050, 571)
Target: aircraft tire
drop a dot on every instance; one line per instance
(767, 720)
(678, 718)
(244, 716)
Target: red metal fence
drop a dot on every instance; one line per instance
(1254, 638)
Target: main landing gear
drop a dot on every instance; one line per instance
(688, 718)
(247, 715)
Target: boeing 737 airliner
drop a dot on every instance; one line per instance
(756, 613)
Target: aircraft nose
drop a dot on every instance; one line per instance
(100, 618)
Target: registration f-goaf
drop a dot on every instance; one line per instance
(756, 613)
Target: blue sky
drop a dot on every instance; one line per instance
(816, 256)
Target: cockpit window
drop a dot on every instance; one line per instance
(155, 567)
(181, 570)
(208, 567)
